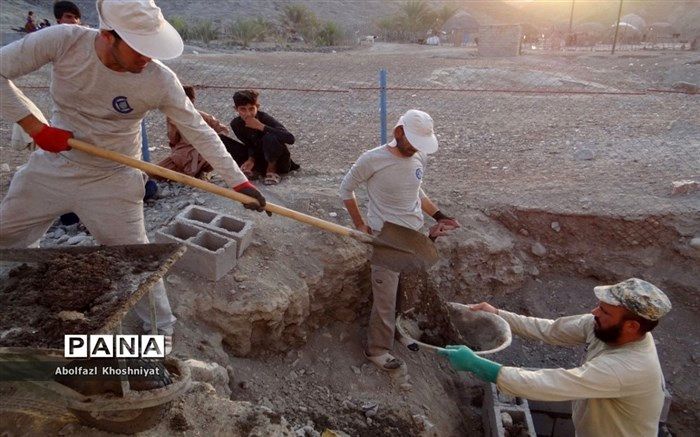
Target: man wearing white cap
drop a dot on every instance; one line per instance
(393, 174)
(618, 390)
(102, 85)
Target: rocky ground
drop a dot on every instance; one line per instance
(555, 192)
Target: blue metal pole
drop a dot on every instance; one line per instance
(382, 105)
(145, 153)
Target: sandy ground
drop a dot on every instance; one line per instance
(568, 155)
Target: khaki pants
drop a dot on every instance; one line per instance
(109, 203)
(382, 319)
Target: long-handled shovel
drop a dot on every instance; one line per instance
(401, 248)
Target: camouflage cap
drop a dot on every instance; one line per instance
(640, 297)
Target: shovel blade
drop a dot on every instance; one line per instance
(402, 249)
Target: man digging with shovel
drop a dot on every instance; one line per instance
(103, 82)
(393, 174)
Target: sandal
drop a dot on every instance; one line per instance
(272, 179)
(385, 361)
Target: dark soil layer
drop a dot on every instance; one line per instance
(516, 430)
(478, 330)
(67, 294)
(430, 310)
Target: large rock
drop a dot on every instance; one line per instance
(202, 411)
(322, 278)
(684, 187)
(211, 373)
(686, 87)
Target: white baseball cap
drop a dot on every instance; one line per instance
(141, 25)
(418, 127)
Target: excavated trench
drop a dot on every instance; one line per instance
(289, 334)
(528, 261)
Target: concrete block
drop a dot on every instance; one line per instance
(495, 424)
(493, 396)
(230, 227)
(515, 408)
(208, 254)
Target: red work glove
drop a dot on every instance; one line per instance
(249, 190)
(52, 139)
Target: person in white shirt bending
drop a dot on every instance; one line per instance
(618, 390)
(103, 82)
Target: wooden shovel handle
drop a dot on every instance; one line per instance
(215, 189)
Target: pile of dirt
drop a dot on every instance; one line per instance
(68, 293)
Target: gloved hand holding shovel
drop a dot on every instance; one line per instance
(249, 190)
(464, 359)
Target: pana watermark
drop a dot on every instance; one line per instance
(114, 346)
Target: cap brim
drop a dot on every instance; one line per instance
(165, 44)
(602, 292)
(423, 144)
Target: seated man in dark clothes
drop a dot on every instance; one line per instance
(265, 140)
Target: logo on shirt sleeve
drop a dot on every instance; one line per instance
(419, 173)
(120, 104)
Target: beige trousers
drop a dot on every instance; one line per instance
(382, 319)
(108, 202)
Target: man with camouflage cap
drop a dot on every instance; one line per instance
(618, 390)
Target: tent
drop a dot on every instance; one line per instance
(634, 20)
(628, 34)
(461, 21)
(462, 28)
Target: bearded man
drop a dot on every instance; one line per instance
(618, 390)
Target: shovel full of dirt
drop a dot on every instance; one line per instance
(396, 247)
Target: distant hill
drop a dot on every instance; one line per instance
(360, 15)
(354, 15)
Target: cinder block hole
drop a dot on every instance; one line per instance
(200, 215)
(518, 416)
(182, 231)
(230, 224)
(210, 241)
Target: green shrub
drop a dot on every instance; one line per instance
(205, 31)
(299, 19)
(180, 25)
(414, 19)
(329, 34)
(265, 28)
(245, 31)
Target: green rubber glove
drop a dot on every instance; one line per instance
(464, 359)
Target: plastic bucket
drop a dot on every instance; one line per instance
(487, 333)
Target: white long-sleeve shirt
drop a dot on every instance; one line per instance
(617, 391)
(100, 105)
(393, 187)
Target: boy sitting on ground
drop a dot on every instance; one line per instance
(184, 158)
(264, 150)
